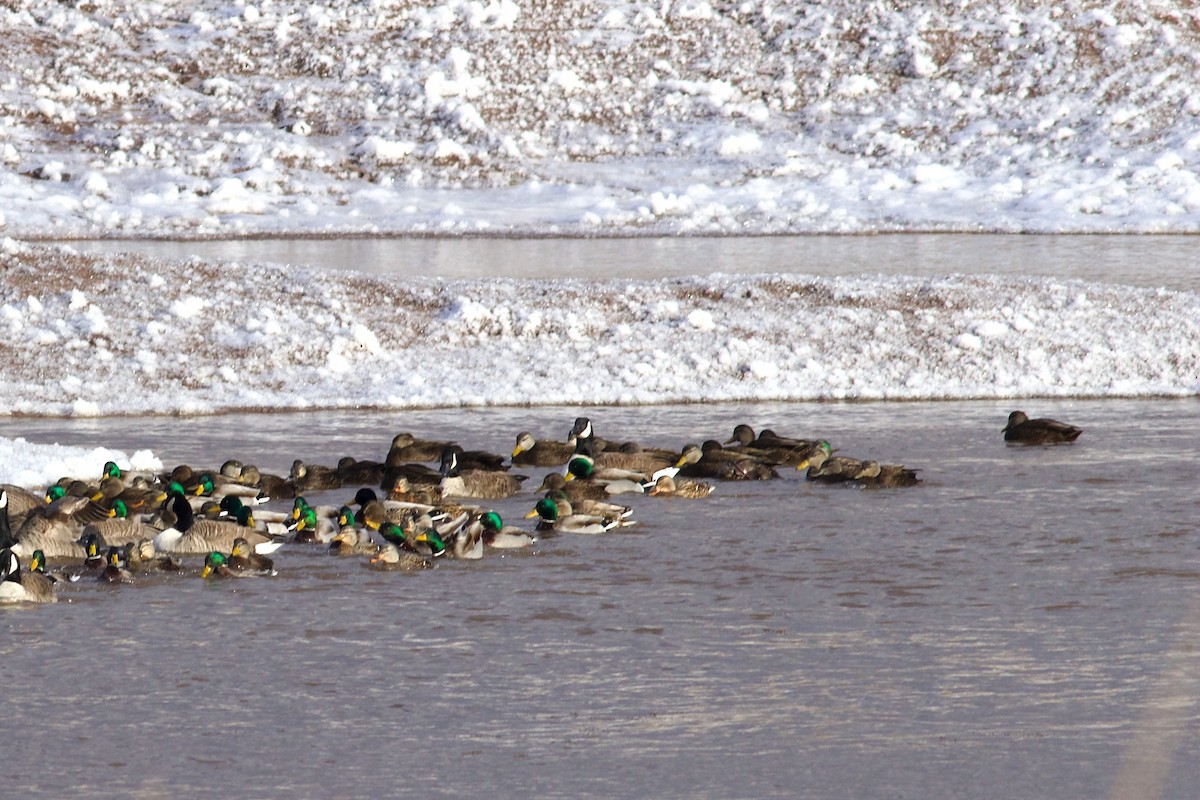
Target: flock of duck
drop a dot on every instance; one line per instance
(405, 514)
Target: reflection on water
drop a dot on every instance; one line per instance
(1022, 620)
(1156, 261)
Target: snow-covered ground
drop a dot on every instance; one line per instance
(596, 116)
(583, 117)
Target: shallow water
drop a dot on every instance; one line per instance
(1024, 619)
(1155, 261)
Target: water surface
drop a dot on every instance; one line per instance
(1024, 619)
(1166, 261)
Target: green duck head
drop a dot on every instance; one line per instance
(298, 506)
(232, 505)
(245, 517)
(206, 486)
(115, 557)
(580, 466)
(391, 532)
(119, 510)
(491, 521)
(55, 492)
(436, 545)
(212, 563)
(308, 519)
(345, 517)
(37, 562)
(546, 509)
(111, 470)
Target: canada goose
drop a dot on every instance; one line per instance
(17, 586)
(479, 483)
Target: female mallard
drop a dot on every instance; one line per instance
(667, 486)
(243, 559)
(406, 447)
(478, 483)
(115, 568)
(550, 518)
(711, 460)
(1023, 430)
(17, 586)
(352, 472)
(390, 557)
(824, 466)
(313, 477)
(768, 446)
(140, 557)
(886, 476)
(531, 452)
(350, 541)
(505, 537)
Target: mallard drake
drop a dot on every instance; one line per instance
(615, 480)
(216, 565)
(549, 518)
(17, 586)
(1023, 430)
(93, 559)
(478, 483)
(37, 563)
(243, 558)
(667, 486)
(115, 568)
(467, 541)
(425, 543)
(531, 452)
(886, 476)
(505, 537)
(311, 529)
(595, 508)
